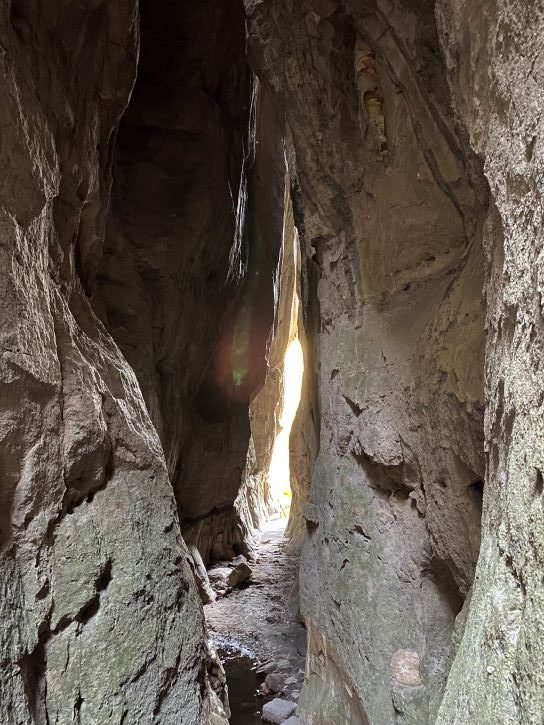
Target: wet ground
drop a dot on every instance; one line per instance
(256, 629)
(243, 682)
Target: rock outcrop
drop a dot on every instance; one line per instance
(390, 207)
(496, 50)
(172, 176)
(100, 618)
(177, 171)
(192, 241)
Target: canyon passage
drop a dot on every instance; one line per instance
(272, 373)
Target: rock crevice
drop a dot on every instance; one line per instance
(185, 187)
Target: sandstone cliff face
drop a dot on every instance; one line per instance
(392, 205)
(100, 619)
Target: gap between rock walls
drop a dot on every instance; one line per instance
(272, 333)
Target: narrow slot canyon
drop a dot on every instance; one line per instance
(272, 335)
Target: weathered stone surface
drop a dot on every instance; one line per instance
(275, 682)
(389, 204)
(405, 668)
(219, 573)
(497, 48)
(267, 409)
(135, 336)
(240, 574)
(278, 710)
(192, 241)
(99, 615)
(205, 590)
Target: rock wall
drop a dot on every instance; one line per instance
(304, 435)
(255, 498)
(391, 204)
(496, 51)
(267, 409)
(186, 245)
(99, 617)
(134, 337)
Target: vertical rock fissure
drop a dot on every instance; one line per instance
(195, 196)
(391, 200)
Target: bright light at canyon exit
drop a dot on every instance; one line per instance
(279, 471)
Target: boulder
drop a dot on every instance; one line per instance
(219, 574)
(241, 573)
(277, 711)
(275, 682)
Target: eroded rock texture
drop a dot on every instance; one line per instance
(391, 204)
(497, 676)
(135, 326)
(192, 241)
(270, 407)
(100, 619)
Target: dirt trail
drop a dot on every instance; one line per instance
(260, 620)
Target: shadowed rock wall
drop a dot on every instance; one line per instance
(391, 206)
(495, 49)
(99, 616)
(186, 282)
(407, 205)
(267, 408)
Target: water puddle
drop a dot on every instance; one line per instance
(243, 682)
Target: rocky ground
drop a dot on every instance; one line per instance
(256, 626)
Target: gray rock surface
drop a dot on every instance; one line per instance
(276, 682)
(219, 574)
(99, 616)
(141, 217)
(389, 202)
(497, 675)
(277, 710)
(192, 240)
(240, 574)
(205, 589)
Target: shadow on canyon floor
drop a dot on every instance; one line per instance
(257, 631)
